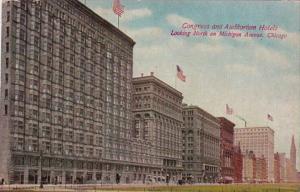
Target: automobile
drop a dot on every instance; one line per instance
(180, 182)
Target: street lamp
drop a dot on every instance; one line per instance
(41, 169)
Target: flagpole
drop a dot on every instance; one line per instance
(176, 79)
(118, 21)
(175, 82)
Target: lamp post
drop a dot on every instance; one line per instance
(41, 169)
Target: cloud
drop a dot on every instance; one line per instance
(177, 20)
(129, 14)
(132, 14)
(241, 68)
(292, 78)
(292, 38)
(263, 55)
(147, 33)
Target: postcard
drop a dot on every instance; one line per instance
(156, 95)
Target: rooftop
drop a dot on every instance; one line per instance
(254, 129)
(153, 79)
(84, 8)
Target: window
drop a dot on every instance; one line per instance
(49, 61)
(23, 5)
(22, 19)
(6, 93)
(7, 31)
(5, 110)
(36, 55)
(61, 39)
(49, 47)
(6, 77)
(37, 26)
(7, 47)
(6, 62)
(61, 53)
(22, 49)
(36, 41)
(7, 16)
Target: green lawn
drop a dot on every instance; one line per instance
(148, 188)
(221, 188)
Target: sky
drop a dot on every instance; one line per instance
(254, 76)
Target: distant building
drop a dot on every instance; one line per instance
(249, 167)
(291, 170)
(201, 145)
(282, 160)
(290, 177)
(237, 165)
(277, 168)
(157, 113)
(260, 140)
(293, 153)
(227, 166)
(261, 170)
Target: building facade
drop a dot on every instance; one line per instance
(237, 164)
(227, 166)
(282, 160)
(201, 145)
(291, 170)
(277, 168)
(260, 140)
(157, 110)
(261, 174)
(66, 95)
(293, 153)
(249, 167)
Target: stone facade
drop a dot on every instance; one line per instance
(201, 145)
(277, 168)
(249, 167)
(66, 95)
(237, 164)
(261, 172)
(157, 111)
(283, 170)
(227, 166)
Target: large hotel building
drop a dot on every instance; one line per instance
(260, 140)
(66, 101)
(157, 110)
(201, 145)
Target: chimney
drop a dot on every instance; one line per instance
(152, 73)
(142, 74)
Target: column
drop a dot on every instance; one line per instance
(26, 173)
(63, 179)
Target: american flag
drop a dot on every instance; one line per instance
(180, 74)
(118, 8)
(270, 117)
(229, 111)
